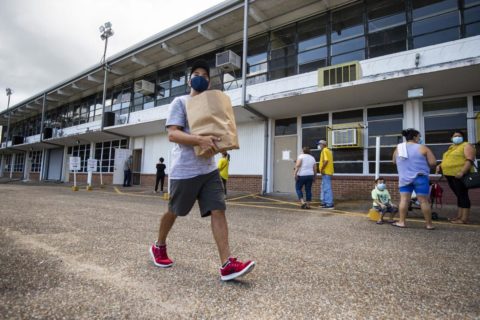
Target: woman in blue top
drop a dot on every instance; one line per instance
(413, 161)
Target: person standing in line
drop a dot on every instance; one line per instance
(160, 174)
(223, 164)
(325, 167)
(193, 178)
(127, 171)
(413, 161)
(305, 173)
(458, 161)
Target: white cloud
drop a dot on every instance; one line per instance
(45, 42)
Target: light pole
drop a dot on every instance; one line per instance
(9, 93)
(106, 32)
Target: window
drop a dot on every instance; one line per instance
(82, 151)
(285, 127)
(386, 123)
(163, 88)
(143, 101)
(387, 27)
(348, 41)
(179, 81)
(257, 60)
(105, 153)
(441, 117)
(349, 160)
(471, 16)
(19, 162)
(476, 104)
(312, 44)
(314, 128)
(434, 21)
(282, 55)
(36, 163)
(7, 164)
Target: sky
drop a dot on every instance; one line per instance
(43, 42)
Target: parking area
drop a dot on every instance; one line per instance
(84, 255)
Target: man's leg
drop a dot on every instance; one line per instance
(162, 181)
(157, 180)
(328, 198)
(166, 224)
(220, 234)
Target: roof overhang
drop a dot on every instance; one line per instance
(34, 146)
(440, 83)
(139, 129)
(83, 138)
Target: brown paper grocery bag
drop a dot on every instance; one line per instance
(211, 113)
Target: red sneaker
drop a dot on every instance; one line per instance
(160, 257)
(235, 268)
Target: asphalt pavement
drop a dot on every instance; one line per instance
(84, 255)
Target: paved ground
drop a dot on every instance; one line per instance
(84, 255)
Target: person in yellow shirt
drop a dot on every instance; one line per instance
(325, 167)
(456, 162)
(223, 169)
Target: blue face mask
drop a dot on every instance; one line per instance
(420, 141)
(199, 83)
(457, 140)
(381, 186)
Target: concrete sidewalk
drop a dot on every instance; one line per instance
(84, 255)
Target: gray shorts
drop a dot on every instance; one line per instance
(206, 188)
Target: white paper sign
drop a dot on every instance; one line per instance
(92, 165)
(286, 155)
(74, 163)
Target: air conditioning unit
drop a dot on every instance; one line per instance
(227, 61)
(144, 87)
(344, 137)
(339, 73)
(122, 120)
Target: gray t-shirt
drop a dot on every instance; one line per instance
(184, 163)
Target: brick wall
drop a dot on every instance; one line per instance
(82, 178)
(360, 187)
(16, 175)
(34, 176)
(245, 183)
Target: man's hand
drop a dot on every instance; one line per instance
(459, 175)
(208, 143)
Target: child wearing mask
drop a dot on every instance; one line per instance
(382, 202)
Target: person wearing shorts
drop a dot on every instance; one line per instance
(414, 160)
(195, 178)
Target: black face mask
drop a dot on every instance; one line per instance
(199, 83)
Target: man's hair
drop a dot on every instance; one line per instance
(378, 179)
(161, 159)
(200, 64)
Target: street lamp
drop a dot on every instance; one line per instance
(9, 93)
(106, 32)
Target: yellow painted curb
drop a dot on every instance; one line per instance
(75, 188)
(89, 188)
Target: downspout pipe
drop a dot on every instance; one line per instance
(244, 95)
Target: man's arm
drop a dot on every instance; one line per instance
(177, 135)
(432, 161)
(298, 164)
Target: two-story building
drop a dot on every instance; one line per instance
(341, 70)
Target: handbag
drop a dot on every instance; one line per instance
(472, 179)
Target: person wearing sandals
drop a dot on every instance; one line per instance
(304, 173)
(382, 202)
(413, 161)
(456, 162)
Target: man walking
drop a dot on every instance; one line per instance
(325, 167)
(160, 175)
(193, 178)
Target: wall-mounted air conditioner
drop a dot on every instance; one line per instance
(144, 87)
(339, 73)
(344, 138)
(227, 61)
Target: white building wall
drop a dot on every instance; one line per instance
(249, 159)
(156, 146)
